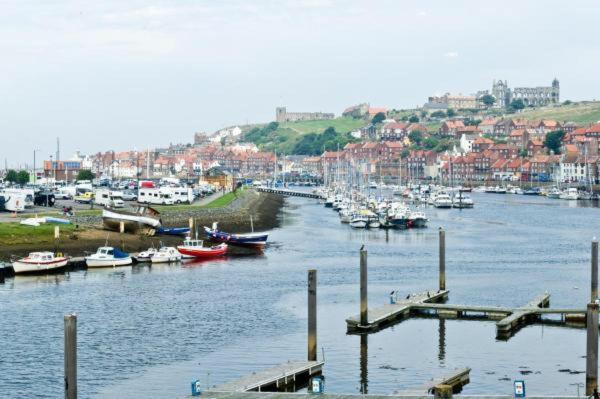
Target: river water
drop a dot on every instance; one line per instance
(149, 331)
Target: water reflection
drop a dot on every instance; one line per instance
(364, 364)
(442, 341)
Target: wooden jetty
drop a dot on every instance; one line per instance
(274, 378)
(289, 193)
(455, 380)
(388, 314)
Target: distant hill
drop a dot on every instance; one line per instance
(584, 112)
(304, 137)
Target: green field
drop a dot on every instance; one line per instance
(584, 112)
(14, 233)
(288, 134)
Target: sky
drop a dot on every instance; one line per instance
(135, 74)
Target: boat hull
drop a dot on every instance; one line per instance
(241, 240)
(132, 223)
(95, 262)
(203, 253)
(21, 267)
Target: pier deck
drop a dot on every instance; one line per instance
(289, 193)
(456, 379)
(508, 320)
(386, 314)
(273, 378)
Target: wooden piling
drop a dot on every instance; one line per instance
(442, 391)
(364, 305)
(594, 292)
(312, 315)
(591, 369)
(70, 356)
(442, 249)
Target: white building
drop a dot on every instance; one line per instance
(466, 142)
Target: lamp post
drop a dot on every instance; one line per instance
(34, 169)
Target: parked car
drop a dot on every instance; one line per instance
(44, 198)
(129, 195)
(84, 198)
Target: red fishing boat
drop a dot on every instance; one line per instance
(195, 249)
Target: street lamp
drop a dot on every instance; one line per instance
(34, 169)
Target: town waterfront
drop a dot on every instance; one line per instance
(148, 331)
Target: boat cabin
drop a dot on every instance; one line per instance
(188, 242)
(41, 256)
(105, 251)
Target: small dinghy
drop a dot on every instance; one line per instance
(166, 255)
(173, 231)
(146, 256)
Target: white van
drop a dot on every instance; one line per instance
(157, 196)
(27, 195)
(112, 199)
(12, 202)
(181, 195)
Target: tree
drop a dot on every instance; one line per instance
(85, 174)
(517, 104)
(423, 114)
(553, 140)
(438, 114)
(405, 153)
(413, 119)
(23, 177)
(523, 153)
(451, 113)
(567, 102)
(430, 143)
(416, 136)
(378, 118)
(11, 176)
(488, 100)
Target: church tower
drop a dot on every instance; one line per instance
(555, 91)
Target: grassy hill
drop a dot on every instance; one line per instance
(582, 112)
(284, 137)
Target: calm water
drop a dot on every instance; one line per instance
(148, 331)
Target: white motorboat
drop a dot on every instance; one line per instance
(146, 256)
(462, 200)
(108, 257)
(554, 193)
(141, 218)
(39, 262)
(359, 221)
(570, 194)
(345, 215)
(417, 219)
(166, 255)
(584, 195)
(442, 200)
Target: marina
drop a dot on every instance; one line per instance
(394, 359)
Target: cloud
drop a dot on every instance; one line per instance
(451, 54)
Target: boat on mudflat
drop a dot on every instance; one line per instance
(141, 218)
(257, 240)
(39, 262)
(195, 249)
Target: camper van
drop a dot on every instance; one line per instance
(109, 198)
(12, 202)
(181, 195)
(156, 196)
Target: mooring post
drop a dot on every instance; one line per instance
(442, 240)
(312, 315)
(594, 293)
(591, 369)
(364, 306)
(70, 356)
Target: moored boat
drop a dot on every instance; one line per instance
(195, 249)
(146, 256)
(166, 255)
(108, 257)
(39, 262)
(243, 240)
(141, 218)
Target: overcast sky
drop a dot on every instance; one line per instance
(132, 74)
